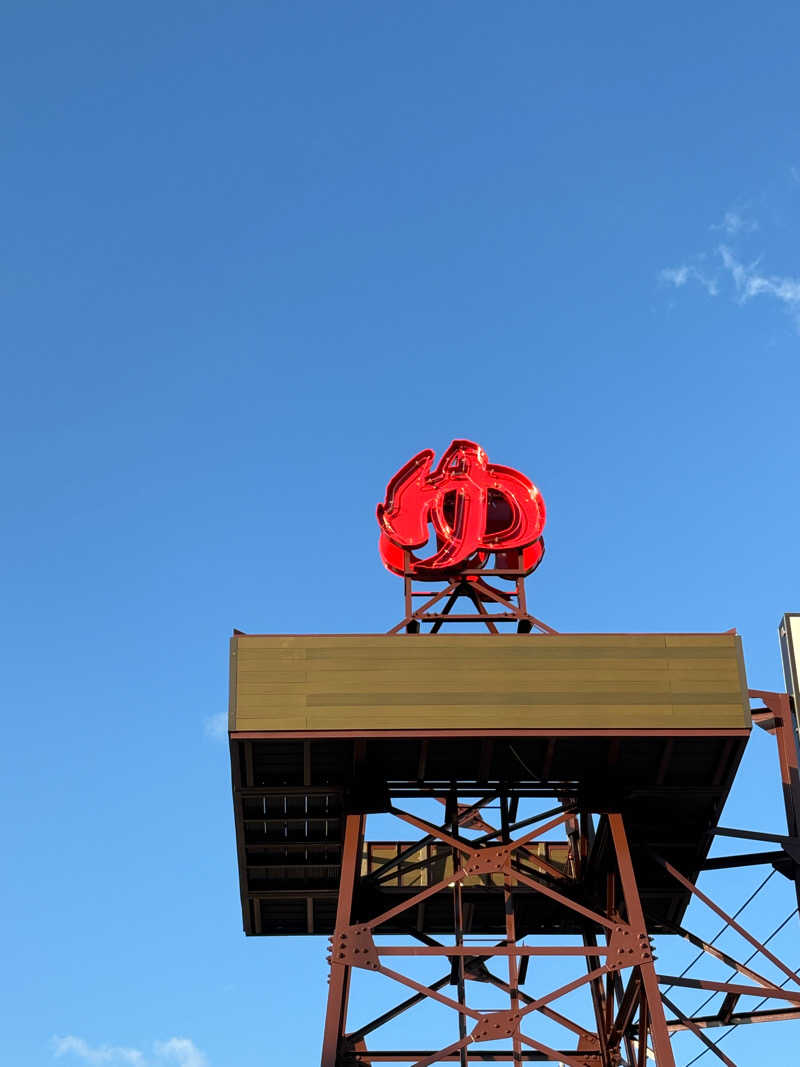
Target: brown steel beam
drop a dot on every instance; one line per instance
(727, 918)
(627, 1008)
(398, 1009)
(339, 987)
(696, 1030)
(511, 934)
(729, 987)
(486, 975)
(785, 731)
(428, 1057)
(728, 1006)
(593, 964)
(458, 926)
(415, 846)
(717, 953)
(738, 1018)
(559, 810)
(747, 859)
(751, 835)
(651, 994)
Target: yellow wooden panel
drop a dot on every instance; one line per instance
(271, 700)
(611, 681)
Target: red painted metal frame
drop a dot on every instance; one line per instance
(634, 1016)
(627, 947)
(472, 585)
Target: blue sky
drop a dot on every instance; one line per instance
(255, 257)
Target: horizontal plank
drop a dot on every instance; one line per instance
(269, 650)
(555, 654)
(530, 699)
(487, 683)
(271, 719)
(461, 718)
(270, 700)
(684, 640)
(255, 668)
(251, 660)
(510, 681)
(525, 648)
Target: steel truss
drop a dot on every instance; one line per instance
(634, 1016)
(488, 604)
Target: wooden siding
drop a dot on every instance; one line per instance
(479, 682)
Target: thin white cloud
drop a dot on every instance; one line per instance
(112, 1054)
(724, 270)
(733, 223)
(180, 1051)
(679, 276)
(216, 726)
(749, 282)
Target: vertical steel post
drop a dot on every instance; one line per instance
(783, 726)
(452, 818)
(651, 994)
(786, 737)
(511, 932)
(338, 991)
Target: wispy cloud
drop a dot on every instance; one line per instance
(734, 223)
(724, 269)
(216, 726)
(750, 282)
(182, 1051)
(113, 1054)
(177, 1050)
(679, 276)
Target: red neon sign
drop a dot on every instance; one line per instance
(475, 507)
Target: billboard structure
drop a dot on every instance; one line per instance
(546, 804)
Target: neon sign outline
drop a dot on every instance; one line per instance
(476, 508)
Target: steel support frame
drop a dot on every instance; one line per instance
(509, 605)
(625, 949)
(628, 997)
(339, 979)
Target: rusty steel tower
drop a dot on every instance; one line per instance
(546, 804)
